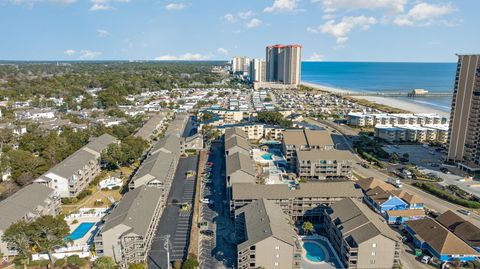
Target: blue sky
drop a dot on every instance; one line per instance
(329, 30)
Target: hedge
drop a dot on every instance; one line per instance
(431, 188)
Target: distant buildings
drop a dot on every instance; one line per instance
(27, 204)
(463, 138)
(240, 65)
(72, 175)
(284, 64)
(360, 237)
(265, 237)
(258, 70)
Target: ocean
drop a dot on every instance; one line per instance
(385, 77)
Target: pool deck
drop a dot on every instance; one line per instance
(307, 264)
(84, 240)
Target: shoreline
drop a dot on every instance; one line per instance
(383, 101)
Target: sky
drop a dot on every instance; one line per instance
(328, 30)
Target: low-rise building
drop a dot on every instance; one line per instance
(360, 237)
(265, 237)
(324, 164)
(127, 232)
(151, 127)
(26, 204)
(35, 114)
(431, 236)
(465, 230)
(304, 139)
(72, 175)
(240, 169)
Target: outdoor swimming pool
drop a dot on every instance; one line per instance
(81, 230)
(314, 252)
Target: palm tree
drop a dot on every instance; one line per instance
(307, 227)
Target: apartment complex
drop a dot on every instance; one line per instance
(324, 164)
(152, 126)
(257, 131)
(258, 69)
(360, 237)
(305, 200)
(72, 175)
(302, 140)
(27, 204)
(240, 64)
(128, 231)
(374, 119)
(464, 137)
(283, 64)
(412, 133)
(265, 237)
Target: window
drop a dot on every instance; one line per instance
(374, 245)
(276, 264)
(373, 253)
(277, 247)
(277, 256)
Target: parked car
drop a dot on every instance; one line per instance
(464, 212)
(210, 164)
(207, 232)
(426, 259)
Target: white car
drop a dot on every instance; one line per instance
(206, 201)
(426, 259)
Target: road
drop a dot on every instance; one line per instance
(175, 222)
(430, 201)
(218, 251)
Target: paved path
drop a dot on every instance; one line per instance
(173, 221)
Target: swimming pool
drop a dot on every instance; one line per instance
(314, 252)
(267, 156)
(81, 230)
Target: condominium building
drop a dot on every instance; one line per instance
(306, 200)
(464, 135)
(283, 64)
(421, 119)
(72, 175)
(127, 232)
(324, 164)
(360, 237)
(304, 139)
(26, 204)
(152, 126)
(258, 69)
(265, 237)
(240, 64)
(412, 133)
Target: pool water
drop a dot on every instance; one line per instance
(314, 252)
(81, 230)
(267, 156)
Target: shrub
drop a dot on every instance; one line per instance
(75, 261)
(59, 262)
(177, 264)
(431, 188)
(74, 221)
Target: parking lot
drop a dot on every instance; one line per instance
(419, 155)
(217, 251)
(174, 221)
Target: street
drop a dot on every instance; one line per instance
(217, 251)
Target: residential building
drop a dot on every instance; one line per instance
(27, 204)
(465, 230)
(265, 237)
(324, 164)
(72, 175)
(35, 114)
(464, 137)
(240, 65)
(306, 200)
(257, 70)
(127, 232)
(304, 139)
(193, 142)
(151, 127)
(284, 64)
(412, 133)
(237, 144)
(374, 119)
(433, 237)
(360, 237)
(239, 169)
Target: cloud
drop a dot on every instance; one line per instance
(222, 51)
(230, 17)
(315, 57)
(89, 55)
(245, 15)
(69, 52)
(32, 3)
(341, 29)
(176, 6)
(282, 6)
(424, 14)
(102, 33)
(185, 57)
(242, 15)
(396, 6)
(253, 23)
(98, 5)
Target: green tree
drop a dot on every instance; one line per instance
(75, 261)
(49, 233)
(136, 266)
(307, 227)
(19, 236)
(191, 262)
(104, 262)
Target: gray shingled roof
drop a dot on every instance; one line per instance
(230, 132)
(264, 219)
(150, 126)
(342, 189)
(135, 210)
(21, 203)
(237, 141)
(239, 161)
(465, 230)
(357, 221)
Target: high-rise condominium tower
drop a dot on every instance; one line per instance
(240, 64)
(284, 63)
(464, 131)
(257, 70)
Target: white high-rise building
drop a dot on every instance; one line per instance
(257, 70)
(283, 64)
(240, 64)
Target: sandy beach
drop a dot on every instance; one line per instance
(392, 102)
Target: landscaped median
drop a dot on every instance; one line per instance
(438, 191)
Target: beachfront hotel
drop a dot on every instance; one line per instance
(240, 64)
(463, 137)
(284, 64)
